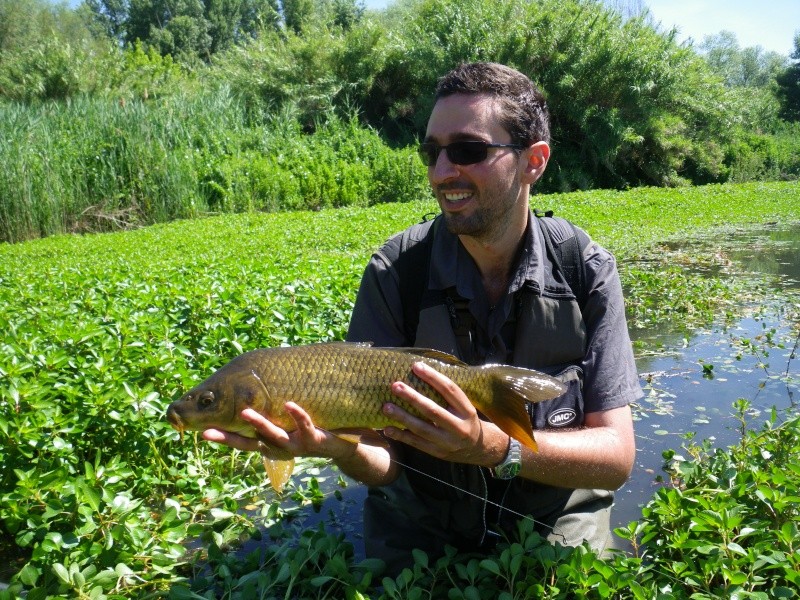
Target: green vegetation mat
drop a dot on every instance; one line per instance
(98, 496)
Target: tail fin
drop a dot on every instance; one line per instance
(511, 388)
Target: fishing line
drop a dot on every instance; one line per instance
(485, 499)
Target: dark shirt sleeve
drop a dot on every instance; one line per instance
(378, 313)
(610, 376)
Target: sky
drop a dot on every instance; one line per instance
(771, 24)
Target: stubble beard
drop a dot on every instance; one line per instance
(489, 221)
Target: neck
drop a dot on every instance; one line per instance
(495, 258)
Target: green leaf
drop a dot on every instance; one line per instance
(29, 575)
(490, 566)
(420, 558)
(218, 514)
(90, 495)
(61, 572)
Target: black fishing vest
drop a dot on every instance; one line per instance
(549, 335)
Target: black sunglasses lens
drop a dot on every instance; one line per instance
(458, 153)
(428, 153)
(467, 153)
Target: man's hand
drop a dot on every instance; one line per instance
(454, 433)
(304, 440)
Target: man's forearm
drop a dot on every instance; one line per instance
(371, 465)
(585, 458)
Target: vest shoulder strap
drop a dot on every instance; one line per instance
(413, 266)
(565, 244)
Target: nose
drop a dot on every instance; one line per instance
(443, 170)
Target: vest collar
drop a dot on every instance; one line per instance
(452, 266)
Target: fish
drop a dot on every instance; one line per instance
(343, 386)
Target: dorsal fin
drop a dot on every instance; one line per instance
(444, 357)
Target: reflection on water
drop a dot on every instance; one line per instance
(765, 251)
(692, 389)
(693, 381)
(771, 252)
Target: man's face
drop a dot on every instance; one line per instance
(478, 200)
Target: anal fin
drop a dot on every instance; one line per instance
(278, 471)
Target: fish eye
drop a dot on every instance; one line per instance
(205, 399)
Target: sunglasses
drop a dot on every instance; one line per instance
(459, 153)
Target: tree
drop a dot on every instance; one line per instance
(110, 15)
(175, 27)
(185, 28)
(789, 86)
(25, 23)
(748, 67)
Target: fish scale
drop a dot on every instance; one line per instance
(333, 375)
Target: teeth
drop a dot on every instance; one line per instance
(456, 197)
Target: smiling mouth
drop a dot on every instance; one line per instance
(457, 197)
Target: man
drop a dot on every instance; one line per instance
(491, 294)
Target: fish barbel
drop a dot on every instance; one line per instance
(344, 385)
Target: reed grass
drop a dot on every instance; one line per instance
(98, 165)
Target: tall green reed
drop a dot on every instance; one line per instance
(97, 164)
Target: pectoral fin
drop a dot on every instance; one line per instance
(513, 419)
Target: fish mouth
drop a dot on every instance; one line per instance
(175, 420)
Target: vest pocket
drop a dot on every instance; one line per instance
(565, 411)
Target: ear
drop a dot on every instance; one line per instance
(536, 156)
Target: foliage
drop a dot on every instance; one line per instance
(192, 29)
(26, 23)
(741, 67)
(100, 164)
(103, 331)
(47, 52)
(184, 29)
(629, 105)
(323, 71)
(757, 156)
(729, 523)
(789, 86)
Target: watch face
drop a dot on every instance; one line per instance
(508, 471)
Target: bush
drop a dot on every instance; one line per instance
(760, 156)
(323, 70)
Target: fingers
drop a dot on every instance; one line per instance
(443, 431)
(274, 442)
(266, 432)
(457, 400)
(230, 439)
(457, 408)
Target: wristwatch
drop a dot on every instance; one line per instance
(511, 464)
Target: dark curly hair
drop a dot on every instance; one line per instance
(523, 107)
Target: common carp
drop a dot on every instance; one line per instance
(344, 385)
